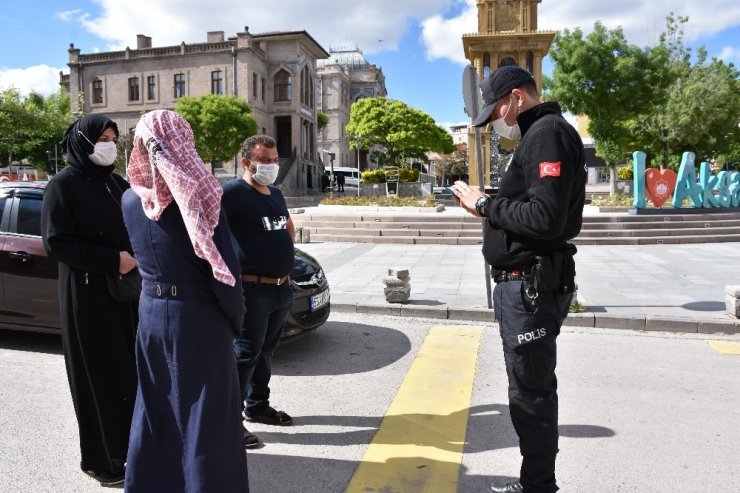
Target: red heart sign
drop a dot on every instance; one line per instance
(659, 185)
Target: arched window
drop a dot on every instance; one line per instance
(486, 65)
(311, 93)
(282, 83)
(507, 61)
(304, 85)
(530, 62)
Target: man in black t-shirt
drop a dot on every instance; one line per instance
(264, 234)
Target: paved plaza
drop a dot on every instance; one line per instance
(682, 282)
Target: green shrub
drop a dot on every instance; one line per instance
(624, 173)
(406, 175)
(576, 307)
(616, 200)
(373, 176)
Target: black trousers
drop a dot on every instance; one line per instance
(529, 332)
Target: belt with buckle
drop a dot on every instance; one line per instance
(265, 280)
(513, 275)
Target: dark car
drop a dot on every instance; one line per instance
(28, 292)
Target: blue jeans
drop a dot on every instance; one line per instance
(267, 307)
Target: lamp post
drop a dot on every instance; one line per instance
(357, 140)
(55, 158)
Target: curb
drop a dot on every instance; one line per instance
(587, 320)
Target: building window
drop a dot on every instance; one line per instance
(254, 85)
(283, 89)
(262, 87)
(97, 91)
(304, 86)
(179, 85)
(133, 89)
(217, 82)
(151, 87)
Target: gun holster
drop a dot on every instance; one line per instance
(555, 271)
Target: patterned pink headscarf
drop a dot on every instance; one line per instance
(165, 166)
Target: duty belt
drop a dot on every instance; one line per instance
(512, 275)
(265, 280)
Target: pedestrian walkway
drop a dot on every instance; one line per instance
(650, 287)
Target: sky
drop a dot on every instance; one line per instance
(417, 43)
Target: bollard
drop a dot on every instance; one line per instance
(397, 287)
(732, 300)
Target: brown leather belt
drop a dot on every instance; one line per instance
(265, 280)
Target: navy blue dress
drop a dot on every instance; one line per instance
(186, 433)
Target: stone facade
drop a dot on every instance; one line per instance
(344, 77)
(276, 73)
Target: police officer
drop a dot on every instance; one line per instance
(538, 209)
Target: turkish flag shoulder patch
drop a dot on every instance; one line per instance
(549, 169)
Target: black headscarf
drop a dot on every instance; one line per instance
(78, 148)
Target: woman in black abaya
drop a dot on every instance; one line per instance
(82, 227)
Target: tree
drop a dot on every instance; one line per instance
(700, 112)
(454, 166)
(321, 120)
(401, 131)
(609, 81)
(31, 125)
(220, 124)
(46, 141)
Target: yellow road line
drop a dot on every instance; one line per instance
(726, 347)
(419, 445)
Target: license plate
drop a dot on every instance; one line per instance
(319, 300)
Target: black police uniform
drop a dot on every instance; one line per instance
(538, 209)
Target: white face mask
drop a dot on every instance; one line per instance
(266, 174)
(505, 130)
(105, 153)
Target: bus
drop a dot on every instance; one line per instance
(351, 175)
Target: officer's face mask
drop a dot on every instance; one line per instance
(505, 130)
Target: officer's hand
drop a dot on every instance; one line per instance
(466, 196)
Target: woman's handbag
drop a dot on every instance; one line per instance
(124, 288)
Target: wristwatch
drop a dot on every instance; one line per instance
(481, 204)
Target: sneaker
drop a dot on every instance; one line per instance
(250, 439)
(271, 417)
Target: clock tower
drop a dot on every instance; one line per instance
(507, 35)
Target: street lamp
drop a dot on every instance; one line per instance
(357, 140)
(56, 159)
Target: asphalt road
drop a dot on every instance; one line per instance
(647, 412)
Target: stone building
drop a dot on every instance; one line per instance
(343, 78)
(275, 72)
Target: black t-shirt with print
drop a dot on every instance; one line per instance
(259, 226)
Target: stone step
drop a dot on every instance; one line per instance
(616, 233)
(388, 225)
(410, 240)
(655, 240)
(606, 229)
(706, 224)
(457, 233)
